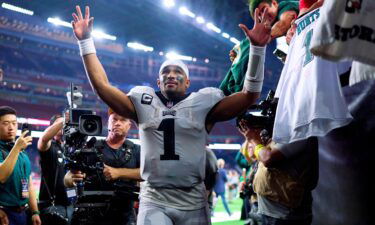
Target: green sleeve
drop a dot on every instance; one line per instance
(1, 155)
(287, 5)
(241, 161)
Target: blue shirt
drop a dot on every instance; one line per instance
(220, 181)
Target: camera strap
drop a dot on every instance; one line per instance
(52, 197)
(4, 154)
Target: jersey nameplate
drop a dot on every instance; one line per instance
(169, 112)
(146, 99)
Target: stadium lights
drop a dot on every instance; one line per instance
(225, 35)
(184, 11)
(200, 19)
(213, 28)
(234, 40)
(100, 34)
(169, 3)
(225, 146)
(173, 55)
(59, 22)
(139, 46)
(17, 9)
(33, 121)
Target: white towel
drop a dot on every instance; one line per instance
(309, 92)
(346, 31)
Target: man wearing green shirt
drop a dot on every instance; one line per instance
(283, 12)
(16, 190)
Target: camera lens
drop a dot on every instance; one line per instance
(90, 126)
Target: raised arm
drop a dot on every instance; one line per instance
(44, 142)
(113, 97)
(231, 106)
(7, 166)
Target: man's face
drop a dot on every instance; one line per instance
(118, 125)
(8, 127)
(272, 9)
(232, 55)
(173, 81)
(1, 74)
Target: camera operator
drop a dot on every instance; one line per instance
(284, 179)
(16, 189)
(53, 199)
(256, 129)
(121, 160)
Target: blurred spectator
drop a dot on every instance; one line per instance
(221, 183)
(211, 175)
(16, 185)
(233, 180)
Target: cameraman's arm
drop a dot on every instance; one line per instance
(71, 178)
(122, 173)
(133, 174)
(44, 142)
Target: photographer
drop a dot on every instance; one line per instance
(255, 129)
(53, 199)
(16, 189)
(121, 160)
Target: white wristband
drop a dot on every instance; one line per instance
(86, 46)
(255, 69)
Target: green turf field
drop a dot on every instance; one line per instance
(234, 206)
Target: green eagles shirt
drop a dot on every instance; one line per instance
(11, 190)
(234, 79)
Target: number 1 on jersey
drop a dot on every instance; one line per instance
(167, 126)
(308, 57)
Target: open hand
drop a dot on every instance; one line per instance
(82, 26)
(260, 35)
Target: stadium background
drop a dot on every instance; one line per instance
(40, 58)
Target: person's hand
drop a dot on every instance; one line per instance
(243, 128)
(82, 26)
(67, 116)
(22, 142)
(110, 173)
(242, 185)
(77, 176)
(59, 120)
(3, 218)
(260, 35)
(35, 219)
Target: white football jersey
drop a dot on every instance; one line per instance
(173, 139)
(346, 31)
(310, 98)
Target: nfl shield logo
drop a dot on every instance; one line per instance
(169, 104)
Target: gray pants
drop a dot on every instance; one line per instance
(153, 214)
